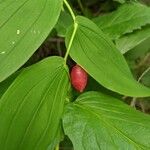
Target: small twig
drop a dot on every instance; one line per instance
(143, 62)
(80, 4)
(124, 97)
(140, 65)
(142, 107)
(60, 40)
(143, 74)
(59, 48)
(134, 100)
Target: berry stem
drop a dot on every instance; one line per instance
(74, 30)
(70, 10)
(70, 42)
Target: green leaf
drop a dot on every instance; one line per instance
(63, 23)
(99, 122)
(125, 1)
(31, 109)
(120, 1)
(96, 53)
(59, 137)
(129, 41)
(139, 51)
(127, 18)
(24, 25)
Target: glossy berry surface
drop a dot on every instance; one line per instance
(79, 78)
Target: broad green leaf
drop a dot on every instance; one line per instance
(124, 20)
(58, 138)
(24, 25)
(96, 53)
(139, 51)
(31, 109)
(63, 23)
(129, 41)
(99, 122)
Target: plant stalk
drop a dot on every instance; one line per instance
(70, 10)
(70, 42)
(74, 30)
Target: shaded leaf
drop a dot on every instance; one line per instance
(24, 25)
(63, 23)
(95, 86)
(96, 53)
(139, 51)
(120, 1)
(129, 41)
(31, 109)
(6, 83)
(99, 122)
(127, 18)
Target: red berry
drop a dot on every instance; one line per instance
(79, 78)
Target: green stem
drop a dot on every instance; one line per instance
(57, 147)
(74, 30)
(70, 10)
(70, 42)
